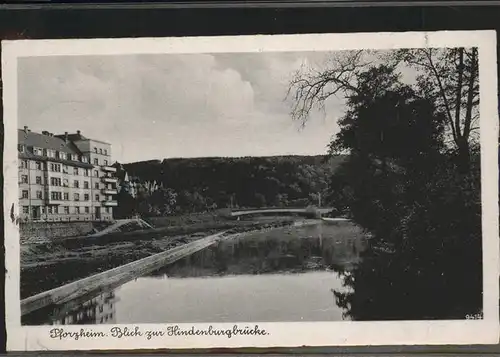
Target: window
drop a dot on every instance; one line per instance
(43, 209)
(38, 180)
(24, 178)
(38, 165)
(24, 194)
(77, 210)
(55, 167)
(66, 196)
(105, 162)
(95, 150)
(96, 185)
(55, 181)
(100, 151)
(105, 152)
(37, 151)
(96, 173)
(56, 196)
(56, 210)
(49, 209)
(76, 184)
(26, 209)
(58, 154)
(65, 183)
(66, 209)
(86, 172)
(75, 171)
(87, 209)
(20, 148)
(85, 159)
(96, 161)
(97, 197)
(62, 155)
(76, 197)
(86, 197)
(108, 210)
(39, 195)
(24, 164)
(85, 184)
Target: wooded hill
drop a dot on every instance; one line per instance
(220, 182)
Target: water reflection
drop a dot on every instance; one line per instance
(399, 286)
(98, 310)
(285, 274)
(320, 247)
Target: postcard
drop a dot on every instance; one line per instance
(251, 191)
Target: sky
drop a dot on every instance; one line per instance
(175, 105)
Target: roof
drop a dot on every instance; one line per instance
(46, 142)
(80, 137)
(27, 155)
(74, 137)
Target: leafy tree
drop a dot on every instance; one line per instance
(204, 183)
(260, 200)
(127, 205)
(451, 77)
(164, 200)
(423, 211)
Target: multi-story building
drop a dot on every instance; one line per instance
(65, 177)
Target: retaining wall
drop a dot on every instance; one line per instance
(42, 232)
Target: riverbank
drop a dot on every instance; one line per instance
(49, 265)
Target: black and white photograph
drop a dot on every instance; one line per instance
(251, 191)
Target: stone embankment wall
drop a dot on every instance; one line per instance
(42, 232)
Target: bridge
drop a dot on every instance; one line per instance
(310, 210)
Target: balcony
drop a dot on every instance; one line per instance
(109, 191)
(109, 179)
(108, 168)
(109, 203)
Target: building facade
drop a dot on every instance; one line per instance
(65, 177)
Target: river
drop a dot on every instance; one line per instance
(282, 275)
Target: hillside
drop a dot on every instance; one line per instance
(197, 183)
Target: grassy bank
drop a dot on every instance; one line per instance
(49, 265)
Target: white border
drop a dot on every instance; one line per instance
(281, 334)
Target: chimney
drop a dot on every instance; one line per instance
(25, 128)
(66, 136)
(45, 132)
(78, 132)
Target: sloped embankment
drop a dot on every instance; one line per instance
(49, 265)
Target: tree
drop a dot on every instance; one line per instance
(451, 77)
(127, 205)
(260, 200)
(448, 77)
(388, 119)
(163, 200)
(310, 88)
(423, 213)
